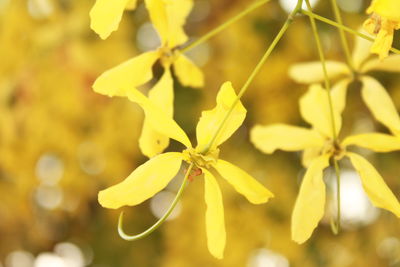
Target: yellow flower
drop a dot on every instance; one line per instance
(155, 174)
(311, 72)
(384, 20)
(168, 17)
(319, 147)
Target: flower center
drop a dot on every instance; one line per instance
(334, 149)
(192, 156)
(167, 56)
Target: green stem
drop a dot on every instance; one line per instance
(337, 171)
(256, 70)
(323, 63)
(343, 38)
(178, 196)
(336, 226)
(347, 29)
(224, 25)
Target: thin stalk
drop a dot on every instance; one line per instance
(256, 70)
(343, 38)
(335, 226)
(154, 227)
(340, 26)
(325, 71)
(224, 25)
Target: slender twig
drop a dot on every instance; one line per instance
(343, 38)
(337, 171)
(347, 29)
(224, 25)
(154, 227)
(256, 70)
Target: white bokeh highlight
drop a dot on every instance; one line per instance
(353, 6)
(289, 5)
(160, 203)
(356, 208)
(40, 9)
(147, 37)
(267, 258)
(19, 258)
(49, 169)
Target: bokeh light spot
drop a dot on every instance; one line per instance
(147, 37)
(160, 203)
(267, 258)
(48, 197)
(19, 258)
(289, 5)
(49, 169)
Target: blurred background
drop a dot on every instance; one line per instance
(60, 143)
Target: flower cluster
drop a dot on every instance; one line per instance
(321, 107)
(168, 18)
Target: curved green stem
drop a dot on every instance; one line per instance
(335, 226)
(224, 25)
(340, 26)
(178, 196)
(343, 38)
(256, 70)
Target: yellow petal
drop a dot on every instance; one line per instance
(211, 120)
(374, 141)
(361, 50)
(309, 155)
(310, 203)
(314, 108)
(338, 94)
(106, 15)
(126, 76)
(158, 16)
(243, 183)
(177, 11)
(158, 119)
(391, 63)
(152, 142)
(311, 72)
(386, 8)
(374, 185)
(169, 17)
(187, 72)
(215, 223)
(284, 137)
(380, 104)
(143, 183)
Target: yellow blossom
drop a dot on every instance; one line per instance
(311, 72)
(155, 174)
(384, 20)
(319, 147)
(168, 18)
